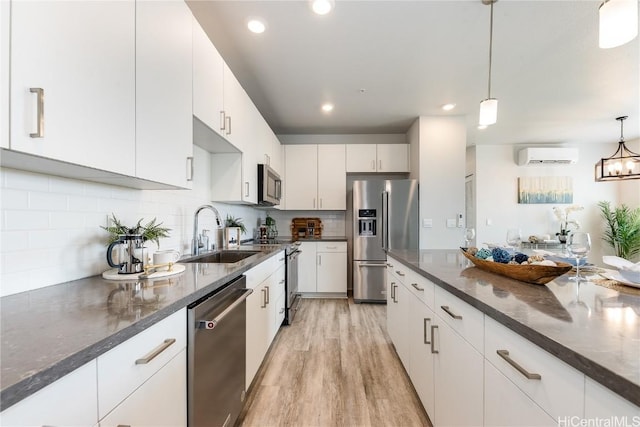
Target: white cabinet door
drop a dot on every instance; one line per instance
(276, 302)
(301, 184)
(361, 158)
(82, 54)
(164, 123)
(602, 403)
(332, 177)
(421, 318)
(70, 401)
(332, 272)
(208, 84)
(236, 110)
(398, 302)
(160, 401)
(5, 25)
(392, 157)
(257, 330)
(506, 405)
(307, 267)
(458, 379)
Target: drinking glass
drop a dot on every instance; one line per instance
(469, 235)
(513, 237)
(578, 246)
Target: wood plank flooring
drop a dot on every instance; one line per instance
(335, 366)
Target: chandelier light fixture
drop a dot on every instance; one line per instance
(489, 107)
(622, 165)
(618, 22)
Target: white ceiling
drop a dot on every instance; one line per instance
(553, 83)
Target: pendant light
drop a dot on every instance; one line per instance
(622, 165)
(489, 107)
(618, 22)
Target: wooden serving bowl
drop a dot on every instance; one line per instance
(530, 273)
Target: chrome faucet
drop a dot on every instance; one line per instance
(196, 242)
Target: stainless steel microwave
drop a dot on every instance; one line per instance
(269, 186)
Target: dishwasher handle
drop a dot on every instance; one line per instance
(210, 324)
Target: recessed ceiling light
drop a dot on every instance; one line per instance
(322, 7)
(448, 107)
(327, 108)
(256, 25)
(482, 127)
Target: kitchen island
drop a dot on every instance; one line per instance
(596, 331)
(48, 333)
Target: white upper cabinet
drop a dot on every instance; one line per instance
(5, 19)
(73, 82)
(208, 65)
(377, 158)
(315, 177)
(164, 124)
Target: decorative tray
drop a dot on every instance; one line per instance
(530, 273)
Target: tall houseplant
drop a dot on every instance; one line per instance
(622, 230)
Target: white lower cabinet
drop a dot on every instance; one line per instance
(506, 405)
(322, 268)
(458, 379)
(398, 300)
(421, 357)
(160, 401)
(70, 401)
(602, 403)
(307, 267)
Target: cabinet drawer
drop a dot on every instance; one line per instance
(260, 272)
(123, 369)
(421, 287)
(331, 247)
(560, 388)
(397, 269)
(462, 317)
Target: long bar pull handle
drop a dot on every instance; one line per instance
(40, 113)
(123, 425)
(264, 298)
(320, 204)
(314, 203)
(223, 120)
(379, 165)
(190, 168)
(162, 347)
(433, 340)
(210, 324)
(246, 189)
(389, 265)
(268, 295)
(373, 165)
(424, 329)
(228, 127)
(393, 291)
(372, 265)
(400, 273)
(319, 259)
(450, 313)
(505, 355)
(417, 288)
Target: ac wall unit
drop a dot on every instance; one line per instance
(548, 156)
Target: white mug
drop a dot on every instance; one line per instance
(165, 257)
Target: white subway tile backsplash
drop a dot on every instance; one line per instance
(26, 220)
(15, 199)
(21, 180)
(23, 261)
(13, 283)
(47, 201)
(66, 220)
(65, 186)
(12, 241)
(84, 204)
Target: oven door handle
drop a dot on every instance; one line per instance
(210, 324)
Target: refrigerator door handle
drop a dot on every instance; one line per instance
(372, 265)
(385, 220)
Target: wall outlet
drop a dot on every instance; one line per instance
(460, 221)
(427, 222)
(489, 222)
(451, 223)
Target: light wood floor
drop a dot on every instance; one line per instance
(335, 366)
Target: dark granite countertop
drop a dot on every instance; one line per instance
(49, 332)
(597, 331)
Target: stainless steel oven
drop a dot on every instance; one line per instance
(269, 186)
(291, 284)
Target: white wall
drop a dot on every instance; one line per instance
(50, 226)
(439, 143)
(496, 183)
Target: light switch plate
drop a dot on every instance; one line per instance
(451, 223)
(427, 222)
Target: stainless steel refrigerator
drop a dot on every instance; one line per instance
(385, 216)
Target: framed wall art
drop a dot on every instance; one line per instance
(545, 189)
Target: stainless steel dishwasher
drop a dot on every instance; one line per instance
(217, 356)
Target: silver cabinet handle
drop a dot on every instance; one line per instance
(319, 259)
(228, 126)
(400, 273)
(320, 203)
(389, 265)
(40, 107)
(268, 295)
(395, 294)
(417, 288)
(246, 192)
(190, 168)
(223, 120)
(331, 247)
(424, 330)
(373, 165)
(448, 311)
(314, 203)
(264, 297)
(162, 347)
(379, 165)
(282, 310)
(281, 259)
(210, 324)
(505, 355)
(123, 425)
(433, 340)
(393, 291)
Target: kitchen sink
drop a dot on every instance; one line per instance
(222, 257)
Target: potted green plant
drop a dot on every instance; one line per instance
(234, 227)
(622, 230)
(151, 231)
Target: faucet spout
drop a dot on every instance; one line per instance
(195, 243)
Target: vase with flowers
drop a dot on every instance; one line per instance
(563, 216)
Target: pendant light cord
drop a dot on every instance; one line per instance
(490, 47)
